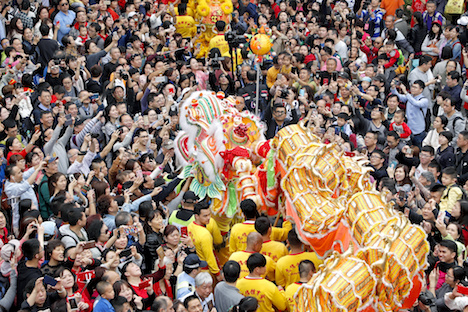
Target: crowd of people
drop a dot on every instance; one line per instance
(94, 213)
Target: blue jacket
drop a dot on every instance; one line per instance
(416, 109)
(103, 305)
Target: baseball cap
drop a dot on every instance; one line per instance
(190, 197)
(5, 254)
(343, 75)
(380, 78)
(192, 261)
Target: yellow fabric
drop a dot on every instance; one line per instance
(267, 294)
(219, 42)
(203, 242)
(272, 73)
(450, 196)
(274, 250)
(290, 292)
(241, 258)
(214, 230)
(186, 26)
(239, 232)
(287, 268)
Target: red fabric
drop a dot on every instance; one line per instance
(157, 289)
(276, 9)
(229, 156)
(22, 153)
(113, 14)
(309, 58)
(140, 292)
(392, 59)
(371, 53)
(406, 129)
(4, 236)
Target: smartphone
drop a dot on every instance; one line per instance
(7, 101)
(160, 252)
(144, 284)
(210, 305)
(125, 253)
(279, 76)
(184, 231)
(337, 130)
(73, 304)
(68, 120)
(145, 120)
(447, 217)
(153, 141)
(90, 244)
(301, 92)
(162, 79)
(402, 195)
(462, 289)
(37, 128)
(139, 174)
(100, 108)
(94, 97)
(71, 178)
(198, 29)
(50, 280)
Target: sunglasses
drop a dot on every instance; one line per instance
(64, 4)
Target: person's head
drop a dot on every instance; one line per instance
(231, 271)
(47, 119)
(249, 209)
(389, 21)
(263, 226)
(98, 231)
(447, 251)
(455, 275)
(449, 176)
(56, 183)
(32, 249)
(440, 122)
(67, 278)
(154, 220)
(424, 65)
(256, 264)
(55, 250)
(162, 303)
(306, 269)
(202, 213)
(401, 174)
(431, 6)
(203, 285)
(370, 139)
(452, 78)
(130, 270)
(193, 304)
(76, 217)
(445, 137)
(393, 139)
(377, 159)
(41, 294)
(279, 112)
(426, 155)
(105, 290)
(399, 117)
(193, 264)
(462, 141)
(436, 192)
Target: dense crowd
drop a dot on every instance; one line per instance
(95, 213)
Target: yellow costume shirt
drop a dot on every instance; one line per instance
(287, 268)
(203, 242)
(219, 42)
(241, 258)
(239, 232)
(186, 26)
(290, 292)
(268, 295)
(274, 250)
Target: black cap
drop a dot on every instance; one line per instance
(190, 197)
(343, 75)
(380, 78)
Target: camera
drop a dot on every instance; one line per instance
(351, 16)
(234, 40)
(56, 62)
(95, 135)
(301, 29)
(216, 58)
(123, 74)
(426, 300)
(284, 93)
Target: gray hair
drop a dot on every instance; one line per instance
(428, 176)
(203, 278)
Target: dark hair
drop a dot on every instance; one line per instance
(448, 135)
(262, 225)
(449, 244)
(60, 271)
(406, 180)
(103, 203)
(74, 216)
(450, 171)
(249, 208)
(51, 245)
(305, 266)
(458, 273)
(256, 260)
(94, 229)
(447, 53)
(53, 180)
(200, 206)
(31, 248)
(293, 239)
(188, 299)
(231, 271)
(144, 208)
(247, 304)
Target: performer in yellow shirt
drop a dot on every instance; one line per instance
(287, 268)
(254, 244)
(239, 232)
(273, 249)
(202, 238)
(185, 24)
(218, 41)
(306, 270)
(268, 295)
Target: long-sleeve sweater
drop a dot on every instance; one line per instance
(93, 126)
(60, 149)
(416, 109)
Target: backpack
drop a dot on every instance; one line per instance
(464, 195)
(455, 120)
(427, 119)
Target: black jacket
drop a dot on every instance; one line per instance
(25, 274)
(153, 241)
(273, 127)
(461, 164)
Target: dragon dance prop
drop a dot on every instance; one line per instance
(375, 259)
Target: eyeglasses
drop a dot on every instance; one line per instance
(279, 113)
(64, 4)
